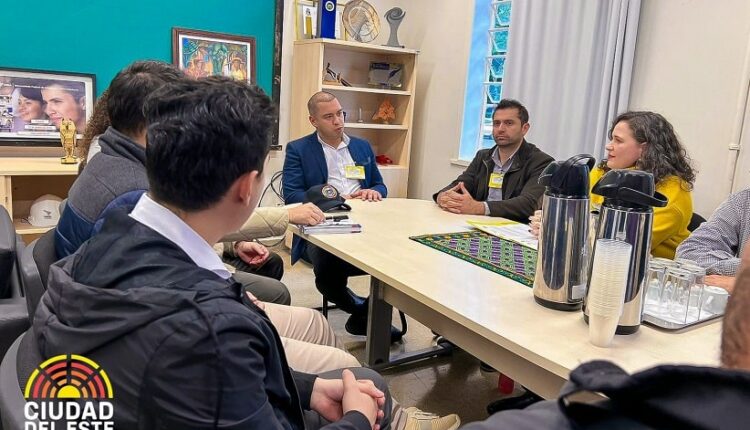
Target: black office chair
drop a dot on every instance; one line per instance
(695, 222)
(45, 255)
(13, 313)
(16, 368)
(11, 396)
(32, 280)
(9, 244)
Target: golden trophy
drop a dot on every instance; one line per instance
(68, 138)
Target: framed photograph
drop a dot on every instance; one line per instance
(203, 53)
(386, 75)
(306, 19)
(33, 103)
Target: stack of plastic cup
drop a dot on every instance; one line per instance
(606, 295)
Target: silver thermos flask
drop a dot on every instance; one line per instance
(562, 263)
(627, 214)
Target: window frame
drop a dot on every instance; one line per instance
(476, 131)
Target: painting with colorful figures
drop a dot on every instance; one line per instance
(202, 53)
(501, 256)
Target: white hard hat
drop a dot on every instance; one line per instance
(45, 211)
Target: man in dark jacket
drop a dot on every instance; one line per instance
(664, 397)
(500, 181)
(151, 302)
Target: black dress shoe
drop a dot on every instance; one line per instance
(357, 325)
(519, 402)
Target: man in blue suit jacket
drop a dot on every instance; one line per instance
(348, 163)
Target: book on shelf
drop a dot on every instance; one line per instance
(330, 226)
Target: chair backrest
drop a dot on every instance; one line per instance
(12, 400)
(8, 247)
(14, 316)
(32, 279)
(45, 255)
(695, 222)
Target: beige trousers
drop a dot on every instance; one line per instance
(309, 342)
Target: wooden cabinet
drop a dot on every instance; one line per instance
(352, 60)
(23, 180)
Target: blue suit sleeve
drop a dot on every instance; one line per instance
(376, 180)
(294, 176)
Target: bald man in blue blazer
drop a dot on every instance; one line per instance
(348, 164)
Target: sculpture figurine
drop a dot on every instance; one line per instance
(68, 138)
(394, 17)
(386, 112)
(335, 77)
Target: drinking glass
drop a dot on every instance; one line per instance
(675, 295)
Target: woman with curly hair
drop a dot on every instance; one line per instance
(96, 125)
(646, 141)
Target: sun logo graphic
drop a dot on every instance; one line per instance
(70, 390)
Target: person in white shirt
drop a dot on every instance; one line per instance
(330, 156)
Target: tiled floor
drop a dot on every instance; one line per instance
(446, 385)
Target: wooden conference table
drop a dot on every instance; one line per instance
(490, 316)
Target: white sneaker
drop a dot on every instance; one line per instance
(421, 420)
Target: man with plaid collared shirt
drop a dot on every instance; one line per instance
(718, 243)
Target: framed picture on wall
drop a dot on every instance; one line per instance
(33, 103)
(203, 53)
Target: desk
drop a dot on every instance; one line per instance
(486, 314)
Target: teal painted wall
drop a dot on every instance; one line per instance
(102, 37)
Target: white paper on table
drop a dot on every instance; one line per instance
(508, 230)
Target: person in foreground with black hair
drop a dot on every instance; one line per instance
(180, 347)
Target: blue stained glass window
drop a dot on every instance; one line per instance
(502, 13)
(484, 86)
(488, 111)
(499, 39)
(496, 69)
(487, 140)
(494, 93)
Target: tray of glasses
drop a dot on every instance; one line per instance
(672, 325)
